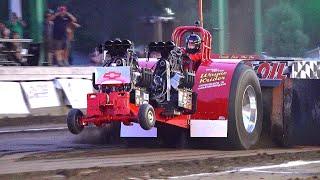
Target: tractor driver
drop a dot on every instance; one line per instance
(193, 51)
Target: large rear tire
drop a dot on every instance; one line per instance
(245, 109)
(73, 123)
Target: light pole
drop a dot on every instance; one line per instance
(200, 12)
(258, 26)
(36, 10)
(219, 16)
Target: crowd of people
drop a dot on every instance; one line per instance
(13, 29)
(58, 36)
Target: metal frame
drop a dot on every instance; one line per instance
(206, 45)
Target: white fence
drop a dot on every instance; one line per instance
(25, 88)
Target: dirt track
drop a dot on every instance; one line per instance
(123, 163)
(60, 155)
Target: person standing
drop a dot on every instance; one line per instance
(71, 27)
(60, 22)
(48, 36)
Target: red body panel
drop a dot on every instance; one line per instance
(94, 101)
(212, 102)
(115, 103)
(104, 108)
(212, 84)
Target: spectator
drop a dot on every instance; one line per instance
(97, 58)
(70, 38)
(2, 26)
(60, 22)
(48, 36)
(4, 31)
(5, 34)
(17, 48)
(16, 24)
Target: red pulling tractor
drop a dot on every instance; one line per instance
(222, 98)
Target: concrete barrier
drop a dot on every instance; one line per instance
(22, 73)
(55, 74)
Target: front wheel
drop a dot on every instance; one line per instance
(73, 121)
(146, 116)
(245, 109)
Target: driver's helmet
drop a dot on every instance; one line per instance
(193, 43)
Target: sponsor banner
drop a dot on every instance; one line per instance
(76, 91)
(12, 101)
(306, 70)
(112, 75)
(212, 78)
(40, 94)
(274, 70)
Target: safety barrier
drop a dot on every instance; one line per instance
(25, 88)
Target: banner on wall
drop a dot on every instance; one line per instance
(11, 99)
(40, 94)
(76, 91)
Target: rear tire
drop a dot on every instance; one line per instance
(146, 116)
(73, 123)
(245, 109)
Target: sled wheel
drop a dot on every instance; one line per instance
(245, 109)
(146, 116)
(73, 123)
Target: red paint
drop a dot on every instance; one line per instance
(280, 71)
(94, 101)
(195, 57)
(271, 72)
(112, 75)
(213, 102)
(103, 108)
(264, 70)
